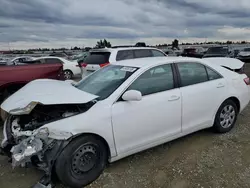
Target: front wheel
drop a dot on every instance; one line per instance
(226, 117)
(82, 161)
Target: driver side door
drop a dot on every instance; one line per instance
(139, 125)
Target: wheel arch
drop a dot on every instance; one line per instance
(236, 101)
(94, 135)
(232, 98)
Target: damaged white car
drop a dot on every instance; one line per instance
(74, 130)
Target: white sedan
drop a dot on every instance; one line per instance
(117, 111)
(70, 68)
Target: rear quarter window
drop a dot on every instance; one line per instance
(143, 53)
(97, 58)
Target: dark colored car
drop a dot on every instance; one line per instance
(192, 52)
(218, 51)
(244, 55)
(13, 77)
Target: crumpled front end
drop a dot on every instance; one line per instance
(27, 141)
(29, 147)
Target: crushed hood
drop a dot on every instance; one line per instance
(231, 63)
(46, 92)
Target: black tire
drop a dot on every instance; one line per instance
(67, 74)
(74, 165)
(218, 127)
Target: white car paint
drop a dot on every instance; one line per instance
(16, 60)
(67, 65)
(47, 91)
(231, 63)
(133, 126)
(90, 68)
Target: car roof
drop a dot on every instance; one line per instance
(122, 48)
(45, 57)
(151, 61)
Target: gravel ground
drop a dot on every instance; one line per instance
(202, 159)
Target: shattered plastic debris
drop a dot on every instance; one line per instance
(22, 152)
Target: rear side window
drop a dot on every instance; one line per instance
(157, 53)
(97, 58)
(192, 73)
(143, 53)
(212, 75)
(124, 54)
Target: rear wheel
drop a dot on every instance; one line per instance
(67, 74)
(226, 117)
(82, 161)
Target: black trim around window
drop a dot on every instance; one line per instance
(175, 79)
(177, 72)
(176, 75)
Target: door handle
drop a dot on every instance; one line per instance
(220, 85)
(174, 98)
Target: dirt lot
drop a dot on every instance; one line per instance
(203, 159)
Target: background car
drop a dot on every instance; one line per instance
(170, 52)
(19, 60)
(70, 68)
(99, 58)
(14, 77)
(193, 52)
(218, 51)
(244, 55)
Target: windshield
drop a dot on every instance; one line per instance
(105, 81)
(217, 50)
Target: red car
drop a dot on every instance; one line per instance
(13, 77)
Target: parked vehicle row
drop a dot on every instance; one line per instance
(124, 108)
(99, 58)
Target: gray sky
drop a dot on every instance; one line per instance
(66, 23)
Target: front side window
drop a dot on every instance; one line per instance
(106, 80)
(154, 80)
(157, 53)
(124, 54)
(143, 53)
(192, 73)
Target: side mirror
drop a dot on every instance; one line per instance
(132, 95)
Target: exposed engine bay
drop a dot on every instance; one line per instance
(28, 143)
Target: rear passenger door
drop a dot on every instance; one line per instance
(203, 90)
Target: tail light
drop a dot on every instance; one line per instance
(104, 64)
(247, 81)
(83, 64)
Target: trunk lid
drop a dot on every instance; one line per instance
(230, 63)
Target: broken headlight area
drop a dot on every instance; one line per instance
(27, 142)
